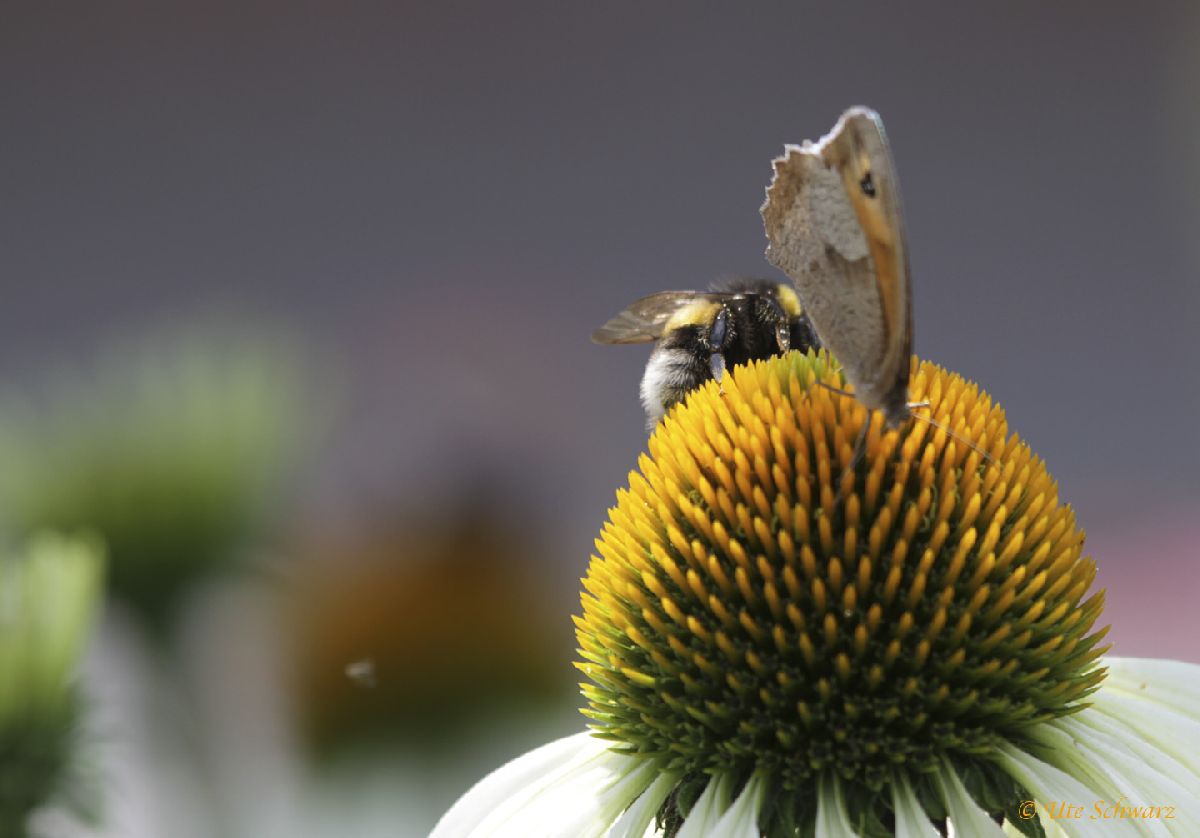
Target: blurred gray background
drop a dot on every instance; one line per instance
(444, 199)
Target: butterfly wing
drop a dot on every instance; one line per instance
(859, 152)
(832, 218)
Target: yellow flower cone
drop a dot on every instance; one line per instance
(783, 637)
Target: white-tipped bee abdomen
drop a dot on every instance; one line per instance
(671, 373)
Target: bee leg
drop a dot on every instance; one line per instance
(783, 336)
(717, 335)
(783, 329)
(716, 363)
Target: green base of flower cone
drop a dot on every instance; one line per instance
(771, 600)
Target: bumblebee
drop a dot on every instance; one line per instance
(700, 332)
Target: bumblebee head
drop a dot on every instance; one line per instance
(711, 320)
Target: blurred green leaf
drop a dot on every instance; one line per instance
(48, 599)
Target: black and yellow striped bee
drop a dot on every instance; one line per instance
(699, 333)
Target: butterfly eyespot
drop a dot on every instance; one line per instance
(867, 184)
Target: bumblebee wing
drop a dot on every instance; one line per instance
(646, 319)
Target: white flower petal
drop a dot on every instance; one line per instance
(617, 796)
(638, 817)
(1052, 829)
(911, 820)
(1064, 752)
(965, 814)
(1048, 785)
(741, 819)
(1171, 684)
(708, 809)
(1118, 728)
(515, 778)
(1103, 747)
(1147, 776)
(1172, 731)
(832, 820)
(572, 787)
(1107, 764)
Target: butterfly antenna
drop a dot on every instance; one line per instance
(860, 451)
(950, 433)
(860, 444)
(833, 389)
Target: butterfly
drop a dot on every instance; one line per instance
(834, 225)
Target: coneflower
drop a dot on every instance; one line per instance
(782, 641)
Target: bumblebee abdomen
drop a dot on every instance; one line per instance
(678, 365)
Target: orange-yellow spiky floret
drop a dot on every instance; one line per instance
(765, 595)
